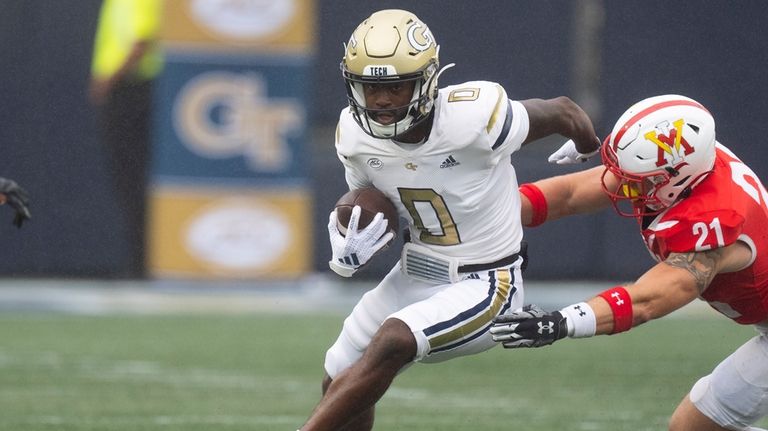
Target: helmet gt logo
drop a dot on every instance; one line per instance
(425, 34)
(668, 139)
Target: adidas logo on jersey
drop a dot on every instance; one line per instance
(449, 162)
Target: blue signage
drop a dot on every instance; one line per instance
(241, 120)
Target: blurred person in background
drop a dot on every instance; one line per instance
(442, 156)
(703, 215)
(18, 198)
(126, 59)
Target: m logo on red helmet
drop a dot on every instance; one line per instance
(670, 141)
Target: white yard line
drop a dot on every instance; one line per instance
(318, 293)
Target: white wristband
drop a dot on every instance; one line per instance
(580, 319)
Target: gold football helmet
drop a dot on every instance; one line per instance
(391, 46)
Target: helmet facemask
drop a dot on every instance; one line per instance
(634, 195)
(408, 116)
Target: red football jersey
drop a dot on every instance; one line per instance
(730, 204)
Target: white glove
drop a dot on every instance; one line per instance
(352, 251)
(567, 154)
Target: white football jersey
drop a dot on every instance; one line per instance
(458, 189)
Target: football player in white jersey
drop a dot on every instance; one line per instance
(703, 214)
(442, 156)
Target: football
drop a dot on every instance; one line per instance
(371, 202)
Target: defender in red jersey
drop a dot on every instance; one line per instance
(703, 215)
(729, 206)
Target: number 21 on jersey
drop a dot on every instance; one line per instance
(746, 179)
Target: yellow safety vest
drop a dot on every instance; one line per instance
(121, 24)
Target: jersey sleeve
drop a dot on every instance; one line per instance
(706, 231)
(354, 176)
(508, 124)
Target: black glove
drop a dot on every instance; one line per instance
(529, 327)
(17, 198)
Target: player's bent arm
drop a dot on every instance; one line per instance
(563, 116)
(564, 195)
(658, 292)
(670, 285)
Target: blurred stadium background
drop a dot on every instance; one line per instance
(603, 54)
(238, 248)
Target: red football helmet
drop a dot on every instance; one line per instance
(659, 149)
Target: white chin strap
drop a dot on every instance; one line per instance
(388, 130)
(656, 206)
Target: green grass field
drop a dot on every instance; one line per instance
(262, 372)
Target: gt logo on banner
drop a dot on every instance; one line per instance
(222, 114)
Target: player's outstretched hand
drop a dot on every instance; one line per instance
(568, 154)
(529, 327)
(355, 249)
(18, 198)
